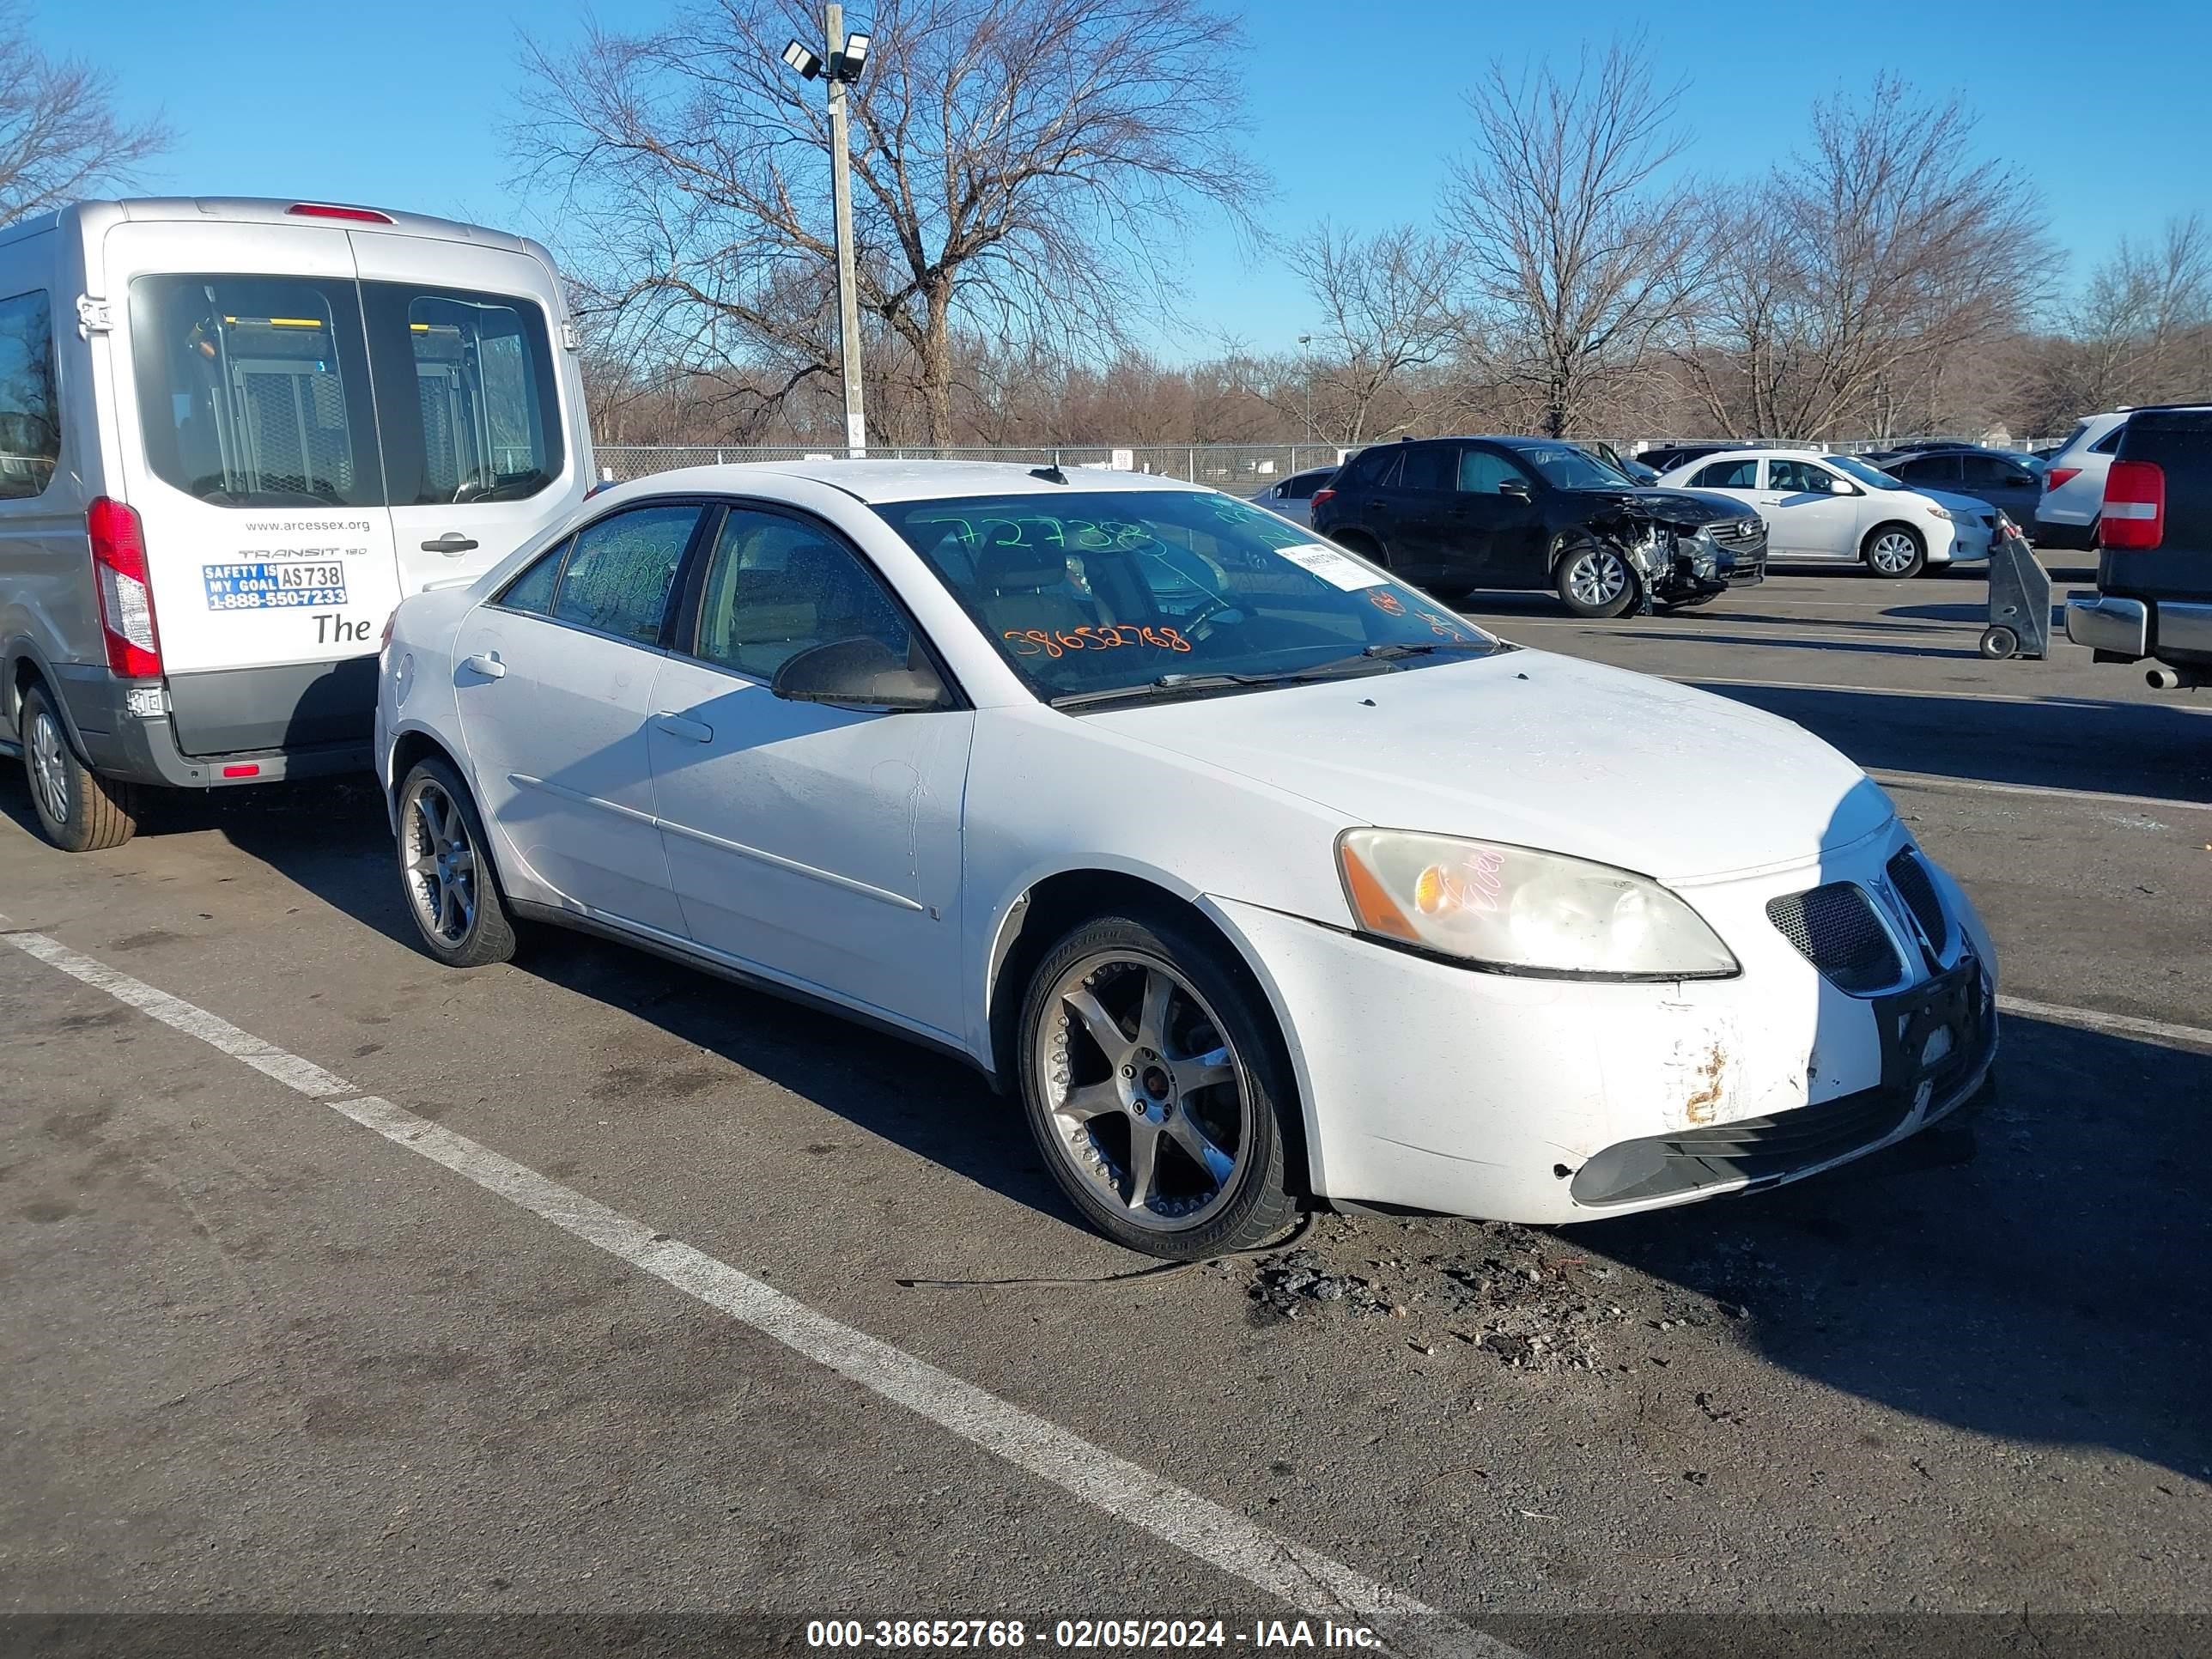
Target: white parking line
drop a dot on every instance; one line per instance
(1316, 1584)
(2093, 1020)
(1915, 691)
(1983, 787)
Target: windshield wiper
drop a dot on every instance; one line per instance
(1352, 667)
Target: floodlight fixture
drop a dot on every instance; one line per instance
(846, 65)
(801, 59)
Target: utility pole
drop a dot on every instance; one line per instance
(841, 191)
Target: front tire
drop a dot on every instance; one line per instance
(1153, 1077)
(1592, 580)
(1895, 550)
(445, 871)
(79, 810)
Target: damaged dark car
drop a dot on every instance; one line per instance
(1457, 514)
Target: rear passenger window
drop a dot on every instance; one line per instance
(620, 571)
(2110, 443)
(469, 406)
(1373, 467)
(254, 390)
(532, 591)
(1728, 475)
(1429, 467)
(30, 423)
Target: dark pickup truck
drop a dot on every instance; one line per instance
(2154, 596)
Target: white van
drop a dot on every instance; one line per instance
(232, 434)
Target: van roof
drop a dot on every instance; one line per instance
(266, 211)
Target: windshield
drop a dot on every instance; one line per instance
(1154, 592)
(1872, 476)
(1566, 467)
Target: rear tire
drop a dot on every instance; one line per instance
(445, 871)
(79, 810)
(1359, 542)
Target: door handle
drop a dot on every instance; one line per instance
(679, 726)
(452, 544)
(486, 663)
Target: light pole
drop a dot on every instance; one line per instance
(1305, 341)
(847, 53)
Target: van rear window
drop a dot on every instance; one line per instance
(254, 390)
(467, 403)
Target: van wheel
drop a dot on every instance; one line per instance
(79, 810)
(446, 869)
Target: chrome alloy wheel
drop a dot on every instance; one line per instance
(1893, 552)
(1151, 1104)
(50, 765)
(1596, 576)
(441, 863)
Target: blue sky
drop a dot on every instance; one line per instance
(402, 102)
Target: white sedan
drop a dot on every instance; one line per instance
(1258, 876)
(1838, 508)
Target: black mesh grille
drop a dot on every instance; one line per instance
(1910, 877)
(1835, 929)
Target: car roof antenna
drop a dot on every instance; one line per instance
(1050, 474)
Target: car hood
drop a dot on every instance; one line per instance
(1539, 751)
(1670, 507)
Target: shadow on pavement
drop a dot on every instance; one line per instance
(2059, 743)
(2051, 1289)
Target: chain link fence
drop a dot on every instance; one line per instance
(1244, 469)
(1241, 469)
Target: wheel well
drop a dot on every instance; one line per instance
(1912, 529)
(1053, 909)
(22, 675)
(1356, 541)
(412, 748)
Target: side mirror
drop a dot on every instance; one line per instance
(1841, 487)
(1515, 488)
(858, 673)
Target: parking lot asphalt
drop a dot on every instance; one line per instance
(265, 1358)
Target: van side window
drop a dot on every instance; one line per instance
(254, 390)
(30, 423)
(468, 402)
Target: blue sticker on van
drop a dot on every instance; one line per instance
(286, 584)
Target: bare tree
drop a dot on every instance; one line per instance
(1021, 167)
(1386, 307)
(1578, 252)
(2142, 312)
(1856, 271)
(60, 137)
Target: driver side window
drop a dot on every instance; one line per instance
(1797, 478)
(777, 585)
(1483, 473)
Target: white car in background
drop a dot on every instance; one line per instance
(1834, 507)
(1293, 497)
(2073, 483)
(1251, 871)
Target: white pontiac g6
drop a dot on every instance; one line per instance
(1256, 875)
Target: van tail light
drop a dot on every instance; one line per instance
(2134, 513)
(1324, 495)
(126, 593)
(336, 210)
(2057, 475)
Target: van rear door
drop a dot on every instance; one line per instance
(246, 433)
(479, 404)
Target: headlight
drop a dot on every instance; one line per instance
(1519, 911)
(1935, 511)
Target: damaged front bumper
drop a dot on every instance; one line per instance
(1679, 564)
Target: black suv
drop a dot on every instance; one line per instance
(1459, 513)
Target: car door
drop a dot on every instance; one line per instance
(1501, 542)
(819, 845)
(484, 445)
(1805, 518)
(1425, 531)
(554, 681)
(2003, 483)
